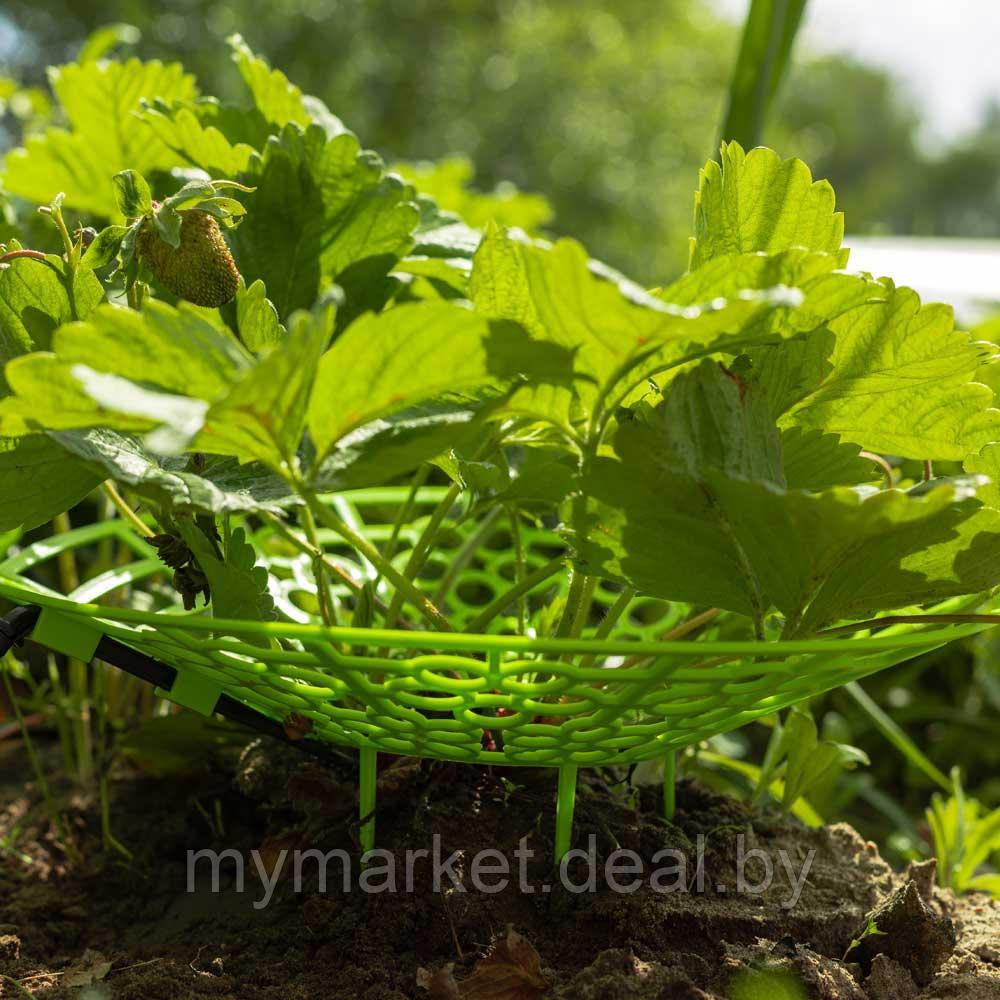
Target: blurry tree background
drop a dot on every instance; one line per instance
(608, 109)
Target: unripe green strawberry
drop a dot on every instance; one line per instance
(201, 269)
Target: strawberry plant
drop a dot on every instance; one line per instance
(706, 442)
(256, 318)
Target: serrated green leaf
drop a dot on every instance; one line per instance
(385, 363)
(816, 461)
(845, 554)
(619, 333)
(98, 99)
(277, 99)
(175, 349)
(540, 475)
(262, 418)
(166, 364)
(711, 419)
(383, 450)
(703, 532)
(892, 377)
(132, 194)
(448, 182)
(987, 463)
(48, 396)
(105, 248)
(179, 417)
(757, 202)
(320, 206)
(257, 319)
(104, 39)
(239, 585)
(194, 142)
(38, 480)
(222, 486)
(35, 300)
(826, 292)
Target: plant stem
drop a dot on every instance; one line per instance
(103, 764)
(403, 585)
(883, 465)
(55, 213)
(421, 551)
(29, 254)
(571, 608)
(404, 514)
(303, 545)
(517, 537)
(465, 554)
(896, 735)
(523, 586)
(78, 680)
(19, 990)
(125, 510)
(609, 621)
(36, 766)
(685, 628)
(615, 612)
(326, 608)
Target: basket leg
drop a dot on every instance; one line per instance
(565, 804)
(368, 775)
(670, 785)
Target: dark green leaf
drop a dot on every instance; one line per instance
(239, 585)
(105, 248)
(39, 480)
(132, 194)
(319, 206)
(34, 300)
(222, 486)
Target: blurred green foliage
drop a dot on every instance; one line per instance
(605, 109)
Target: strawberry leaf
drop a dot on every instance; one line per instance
(893, 377)
(39, 480)
(757, 202)
(132, 194)
(239, 585)
(98, 99)
(320, 205)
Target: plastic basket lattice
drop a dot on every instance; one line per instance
(493, 698)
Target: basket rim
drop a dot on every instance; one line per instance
(909, 637)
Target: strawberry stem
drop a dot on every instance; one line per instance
(14, 254)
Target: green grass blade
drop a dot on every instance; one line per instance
(768, 36)
(895, 735)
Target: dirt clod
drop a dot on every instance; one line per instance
(692, 941)
(904, 927)
(890, 981)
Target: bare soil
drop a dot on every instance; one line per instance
(129, 929)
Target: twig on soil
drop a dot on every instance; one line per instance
(13, 728)
(451, 926)
(137, 965)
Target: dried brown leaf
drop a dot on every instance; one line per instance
(511, 971)
(440, 984)
(91, 968)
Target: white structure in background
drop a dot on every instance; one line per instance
(963, 273)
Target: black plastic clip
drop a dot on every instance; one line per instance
(16, 626)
